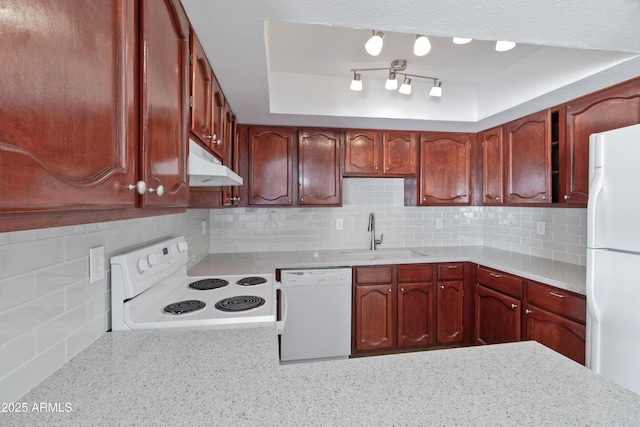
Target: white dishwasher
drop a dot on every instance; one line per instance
(316, 314)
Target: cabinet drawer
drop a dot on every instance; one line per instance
(500, 281)
(451, 271)
(370, 275)
(557, 300)
(415, 273)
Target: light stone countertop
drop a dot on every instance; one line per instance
(231, 377)
(566, 276)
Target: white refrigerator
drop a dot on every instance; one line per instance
(613, 256)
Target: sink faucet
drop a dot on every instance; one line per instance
(372, 229)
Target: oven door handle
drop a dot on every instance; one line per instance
(280, 324)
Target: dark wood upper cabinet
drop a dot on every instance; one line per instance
(492, 142)
(400, 153)
(380, 153)
(164, 67)
(605, 110)
(201, 94)
(445, 169)
(270, 168)
(529, 159)
(319, 179)
(362, 153)
(68, 138)
(218, 113)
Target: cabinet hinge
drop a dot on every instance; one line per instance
(190, 58)
(190, 101)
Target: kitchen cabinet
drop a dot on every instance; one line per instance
(201, 127)
(270, 167)
(450, 307)
(164, 94)
(528, 167)
(445, 169)
(498, 302)
(380, 153)
(611, 108)
(231, 194)
(394, 308)
(69, 137)
(556, 318)
(319, 179)
(493, 161)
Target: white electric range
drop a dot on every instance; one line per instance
(150, 289)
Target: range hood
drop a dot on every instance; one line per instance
(207, 171)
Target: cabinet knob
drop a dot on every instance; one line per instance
(387, 167)
(234, 199)
(401, 289)
(544, 197)
(567, 197)
(514, 306)
(376, 168)
(159, 190)
(441, 286)
(497, 199)
(219, 142)
(527, 311)
(140, 187)
(302, 199)
(389, 290)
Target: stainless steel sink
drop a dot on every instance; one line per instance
(381, 254)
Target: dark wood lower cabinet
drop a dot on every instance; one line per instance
(373, 317)
(497, 317)
(415, 315)
(556, 332)
(449, 312)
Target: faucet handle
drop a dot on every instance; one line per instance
(379, 241)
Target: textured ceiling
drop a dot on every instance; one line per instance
(287, 61)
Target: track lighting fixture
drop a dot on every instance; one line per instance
(503, 46)
(356, 83)
(421, 46)
(396, 68)
(374, 44)
(461, 40)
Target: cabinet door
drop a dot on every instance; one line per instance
(217, 119)
(373, 317)
(362, 153)
(606, 110)
(493, 166)
(400, 153)
(416, 323)
(319, 168)
(201, 127)
(450, 310)
(497, 317)
(558, 333)
(270, 166)
(445, 169)
(68, 133)
(231, 194)
(529, 159)
(164, 102)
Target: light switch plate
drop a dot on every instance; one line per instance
(540, 228)
(438, 223)
(96, 264)
(339, 224)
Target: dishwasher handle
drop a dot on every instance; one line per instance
(284, 307)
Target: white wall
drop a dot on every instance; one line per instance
(276, 229)
(48, 310)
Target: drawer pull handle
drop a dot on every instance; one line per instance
(452, 266)
(555, 294)
(494, 275)
(514, 306)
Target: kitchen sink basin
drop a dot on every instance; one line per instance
(380, 254)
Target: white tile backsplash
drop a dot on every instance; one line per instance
(300, 228)
(48, 310)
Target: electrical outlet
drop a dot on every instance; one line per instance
(96, 264)
(339, 224)
(438, 223)
(540, 228)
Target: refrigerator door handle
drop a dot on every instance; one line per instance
(596, 185)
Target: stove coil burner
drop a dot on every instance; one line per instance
(184, 307)
(240, 303)
(251, 281)
(208, 284)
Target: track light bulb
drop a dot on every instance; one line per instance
(503, 46)
(461, 40)
(374, 44)
(405, 89)
(356, 83)
(436, 90)
(422, 46)
(391, 83)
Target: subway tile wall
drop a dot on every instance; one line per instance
(49, 311)
(300, 228)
